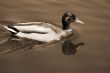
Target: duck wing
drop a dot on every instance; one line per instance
(33, 27)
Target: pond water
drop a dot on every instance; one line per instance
(93, 57)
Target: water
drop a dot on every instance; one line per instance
(91, 58)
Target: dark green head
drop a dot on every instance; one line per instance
(69, 17)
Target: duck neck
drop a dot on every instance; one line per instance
(65, 25)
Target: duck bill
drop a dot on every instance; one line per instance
(79, 21)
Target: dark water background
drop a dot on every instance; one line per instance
(94, 57)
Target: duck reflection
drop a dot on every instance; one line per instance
(70, 48)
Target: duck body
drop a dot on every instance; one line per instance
(40, 31)
(44, 32)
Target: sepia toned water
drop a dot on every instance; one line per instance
(93, 57)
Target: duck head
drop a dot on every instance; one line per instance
(69, 17)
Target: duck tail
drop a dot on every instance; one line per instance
(11, 29)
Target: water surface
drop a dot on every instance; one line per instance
(91, 58)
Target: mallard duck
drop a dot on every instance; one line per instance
(44, 32)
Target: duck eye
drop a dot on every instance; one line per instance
(73, 17)
(67, 18)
